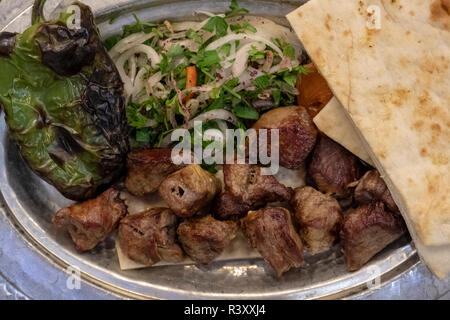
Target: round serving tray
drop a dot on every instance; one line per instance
(31, 203)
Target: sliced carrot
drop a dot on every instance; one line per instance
(191, 81)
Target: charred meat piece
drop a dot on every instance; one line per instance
(189, 190)
(333, 168)
(90, 222)
(150, 237)
(366, 231)
(227, 207)
(271, 232)
(371, 187)
(246, 183)
(297, 134)
(314, 92)
(147, 169)
(319, 217)
(203, 239)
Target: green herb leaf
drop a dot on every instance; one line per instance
(206, 58)
(111, 42)
(276, 94)
(191, 34)
(216, 23)
(290, 78)
(235, 10)
(289, 51)
(225, 50)
(142, 135)
(245, 112)
(238, 28)
(262, 82)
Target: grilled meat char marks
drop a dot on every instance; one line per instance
(297, 134)
(227, 207)
(366, 231)
(333, 168)
(150, 237)
(248, 185)
(371, 187)
(189, 190)
(272, 233)
(147, 169)
(90, 222)
(204, 239)
(319, 217)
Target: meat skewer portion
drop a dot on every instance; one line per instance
(246, 183)
(333, 168)
(371, 187)
(150, 237)
(147, 169)
(366, 231)
(297, 134)
(204, 239)
(227, 207)
(319, 217)
(189, 190)
(90, 222)
(272, 233)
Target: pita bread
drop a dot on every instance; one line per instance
(394, 84)
(333, 121)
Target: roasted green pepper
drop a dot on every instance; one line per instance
(63, 103)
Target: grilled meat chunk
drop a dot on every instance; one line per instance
(189, 190)
(227, 207)
(333, 168)
(272, 233)
(319, 217)
(371, 187)
(150, 237)
(246, 183)
(90, 222)
(204, 239)
(297, 134)
(366, 231)
(314, 92)
(147, 169)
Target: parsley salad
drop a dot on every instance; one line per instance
(225, 71)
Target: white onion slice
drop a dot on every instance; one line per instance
(129, 42)
(240, 64)
(212, 115)
(233, 37)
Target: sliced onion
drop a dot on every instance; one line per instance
(222, 125)
(214, 135)
(233, 37)
(186, 25)
(210, 14)
(129, 42)
(139, 84)
(212, 115)
(151, 54)
(240, 64)
(132, 68)
(152, 81)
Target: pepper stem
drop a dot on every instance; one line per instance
(37, 14)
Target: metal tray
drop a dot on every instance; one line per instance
(31, 203)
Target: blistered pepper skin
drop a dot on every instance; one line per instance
(64, 106)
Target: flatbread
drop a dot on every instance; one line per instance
(333, 121)
(394, 84)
